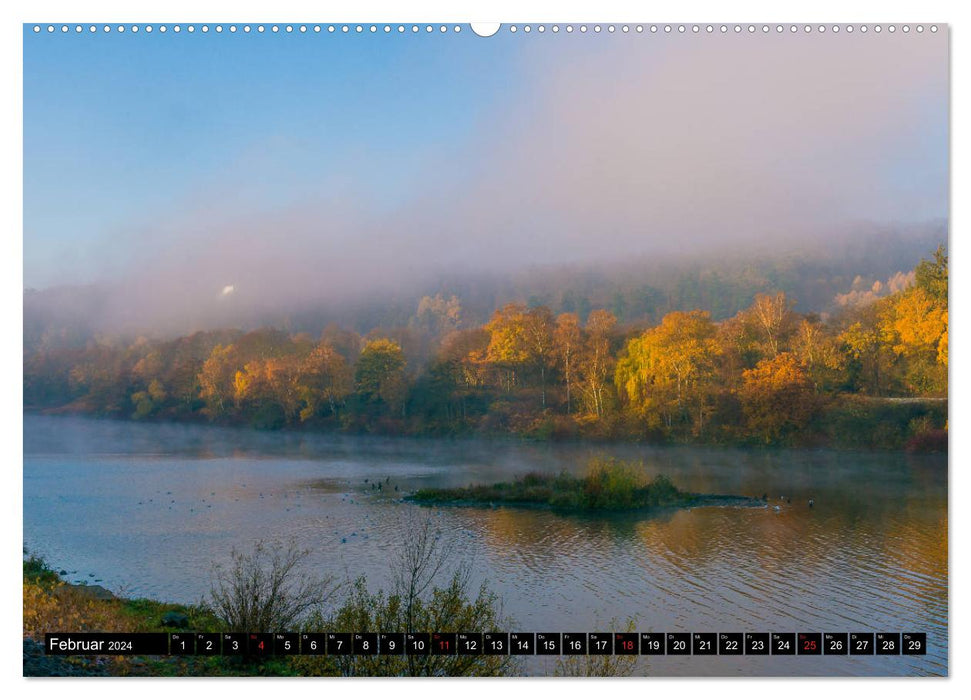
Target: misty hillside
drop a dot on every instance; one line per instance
(638, 291)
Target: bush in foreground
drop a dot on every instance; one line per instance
(415, 604)
(266, 591)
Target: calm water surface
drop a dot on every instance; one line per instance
(148, 509)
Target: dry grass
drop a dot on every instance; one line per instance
(60, 608)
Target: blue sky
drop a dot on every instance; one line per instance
(291, 158)
(119, 127)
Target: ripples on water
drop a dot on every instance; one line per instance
(148, 508)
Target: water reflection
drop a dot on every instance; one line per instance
(149, 508)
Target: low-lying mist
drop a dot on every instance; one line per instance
(637, 290)
(623, 168)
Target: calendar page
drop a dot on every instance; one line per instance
(448, 349)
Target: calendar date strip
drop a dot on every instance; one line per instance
(252, 644)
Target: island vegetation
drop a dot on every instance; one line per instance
(870, 372)
(608, 484)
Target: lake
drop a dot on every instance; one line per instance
(146, 509)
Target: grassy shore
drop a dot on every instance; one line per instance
(53, 605)
(607, 485)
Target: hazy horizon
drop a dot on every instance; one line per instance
(279, 171)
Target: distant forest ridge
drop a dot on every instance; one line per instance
(873, 373)
(638, 291)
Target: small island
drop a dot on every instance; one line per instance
(607, 485)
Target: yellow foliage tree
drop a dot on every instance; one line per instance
(664, 374)
(217, 380)
(915, 325)
(942, 344)
(916, 322)
(508, 350)
(521, 341)
(817, 352)
(865, 355)
(249, 383)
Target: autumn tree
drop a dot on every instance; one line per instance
(777, 397)
(437, 315)
(379, 378)
(465, 354)
(149, 367)
(931, 276)
(866, 357)
(150, 400)
(254, 396)
(774, 320)
(264, 343)
(520, 343)
(540, 344)
(665, 373)
(103, 376)
(507, 351)
(283, 383)
(915, 325)
(596, 361)
(740, 347)
(446, 394)
(347, 343)
(182, 361)
(258, 371)
(323, 383)
(217, 380)
(247, 383)
(817, 352)
(568, 339)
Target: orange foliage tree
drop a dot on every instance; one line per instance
(777, 397)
